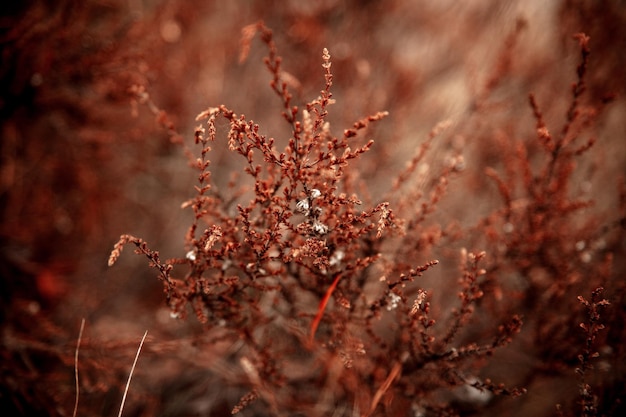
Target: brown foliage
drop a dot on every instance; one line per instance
(399, 265)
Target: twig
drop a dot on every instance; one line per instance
(80, 336)
(321, 308)
(131, 373)
(397, 367)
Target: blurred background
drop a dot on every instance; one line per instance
(83, 161)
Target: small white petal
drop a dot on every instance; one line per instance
(302, 206)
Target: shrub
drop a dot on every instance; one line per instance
(401, 266)
(295, 265)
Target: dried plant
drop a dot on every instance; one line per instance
(256, 269)
(460, 253)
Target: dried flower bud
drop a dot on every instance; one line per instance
(326, 58)
(417, 304)
(307, 122)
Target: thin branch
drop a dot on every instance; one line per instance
(395, 371)
(80, 336)
(132, 369)
(321, 308)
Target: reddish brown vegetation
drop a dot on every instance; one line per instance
(482, 277)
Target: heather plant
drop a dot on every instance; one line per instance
(71, 153)
(547, 242)
(437, 259)
(295, 265)
(545, 239)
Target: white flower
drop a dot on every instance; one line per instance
(394, 299)
(191, 255)
(226, 264)
(302, 206)
(336, 257)
(315, 193)
(319, 228)
(471, 394)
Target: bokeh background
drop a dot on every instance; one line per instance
(83, 160)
